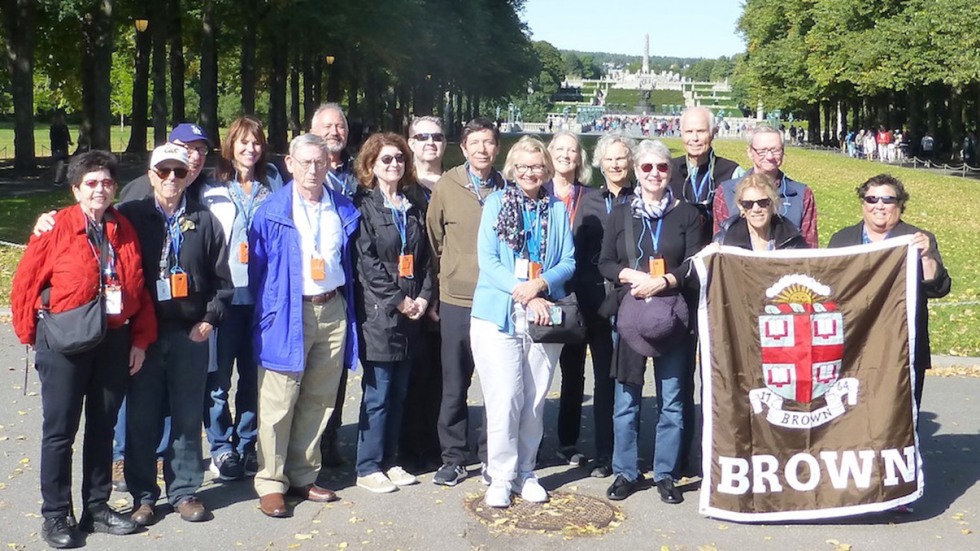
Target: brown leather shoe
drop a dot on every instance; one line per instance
(144, 515)
(313, 493)
(192, 510)
(273, 505)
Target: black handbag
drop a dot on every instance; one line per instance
(73, 331)
(570, 331)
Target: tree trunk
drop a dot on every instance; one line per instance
(96, 87)
(19, 19)
(277, 92)
(813, 116)
(956, 131)
(333, 80)
(209, 73)
(353, 95)
(141, 86)
(309, 89)
(159, 32)
(248, 57)
(915, 125)
(476, 104)
(294, 125)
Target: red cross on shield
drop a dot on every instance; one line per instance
(802, 349)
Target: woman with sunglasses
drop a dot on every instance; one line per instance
(758, 227)
(883, 199)
(242, 181)
(645, 253)
(393, 290)
(91, 250)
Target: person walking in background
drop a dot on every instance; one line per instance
(60, 141)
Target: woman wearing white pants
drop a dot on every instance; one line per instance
(526, 255)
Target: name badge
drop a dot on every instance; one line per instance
(522, 267)
(658, 266)
(163, 290)
(243, 253)
(406, 266)
(113, 299)
(534, 271)
(178, 285)
(318, 269)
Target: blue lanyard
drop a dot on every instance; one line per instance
(316, 229)
(174, 239)
(609, 200)
(708, 178)
(340, 183)
(782, 194)
(246, 210)
(654, 235)
(401, 224)
(476, 183)
(532, 234)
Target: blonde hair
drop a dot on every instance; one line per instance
(761, 182)
(583, 170)
(528, 144)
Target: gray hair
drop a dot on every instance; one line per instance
(704, 111)
(652, 147)
(425, 118)
(610, 139)
(762, 128)
(584, 174)
(308, 139)
(330, 106)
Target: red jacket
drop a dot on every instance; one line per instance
(64, 259)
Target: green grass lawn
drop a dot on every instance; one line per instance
(943, 205)
(118, 138)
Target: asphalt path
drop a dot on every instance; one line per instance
(426, 516)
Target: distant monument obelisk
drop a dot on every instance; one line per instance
(646, 54)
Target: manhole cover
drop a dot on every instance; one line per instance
(568, 513)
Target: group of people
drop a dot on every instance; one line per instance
(418, 275)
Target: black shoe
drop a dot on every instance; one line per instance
(59, 534)
(571, 456)
(228, 466)
(251, 464)
(331, 455)
(449, 475)
(622, 488)
(601, 468)
(668, 493)
(108, 521)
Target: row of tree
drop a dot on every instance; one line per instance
(215, 59)
(856, 64)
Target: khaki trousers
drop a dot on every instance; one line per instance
(294, 407)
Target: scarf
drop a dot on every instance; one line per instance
(510, 220)
(651, 211)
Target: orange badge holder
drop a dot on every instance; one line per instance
(406, 265)
(657, 267)
(318, 269)
(178, 285)
(243, 253)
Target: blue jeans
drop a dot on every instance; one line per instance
(385, 385)
(119, 435)
(234, 348)
(178, 365)
(670, 375)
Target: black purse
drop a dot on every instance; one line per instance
(570, 331)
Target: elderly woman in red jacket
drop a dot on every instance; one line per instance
(91, 252)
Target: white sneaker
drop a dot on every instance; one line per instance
(531, 489)
(400, 477)
(498, 494)
(377, 483)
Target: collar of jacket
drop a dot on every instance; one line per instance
(280, 208)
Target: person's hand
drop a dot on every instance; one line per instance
(651, 286)
(921, 241)
(45, 223)
(433, 312)
(136, 357)
(539, 311)
(929, 265)
(421, 305)
(201, 331)
(525, 291)
(632, 277)
(407, 306)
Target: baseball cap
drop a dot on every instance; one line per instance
(188, 132)
(169, 152)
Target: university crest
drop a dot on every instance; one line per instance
(801, 339)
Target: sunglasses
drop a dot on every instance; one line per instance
(661, 167)
(165, 172)
(434, 136)
(886, 199)
(763, 203)
(106, 183)
(387, 159)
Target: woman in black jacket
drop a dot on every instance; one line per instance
(757, 227)
(393, 291)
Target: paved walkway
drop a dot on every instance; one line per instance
(434, 518)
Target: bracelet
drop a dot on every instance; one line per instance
(666, 282)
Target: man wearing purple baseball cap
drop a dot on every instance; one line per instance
(193, 138)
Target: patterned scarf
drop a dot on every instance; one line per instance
(651, 211)
(510, 220)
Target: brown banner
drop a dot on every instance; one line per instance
(805, 357)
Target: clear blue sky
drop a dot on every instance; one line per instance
(678, 28)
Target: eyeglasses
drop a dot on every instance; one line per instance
(387, 159)
(524, 169)
(426, 136)
(886, 199)
(164, 172)
(200, 150)
(306, 164)
(765, 152)
(93, 184)
(763, 203)
(661, 167)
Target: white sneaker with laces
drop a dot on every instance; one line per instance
(377, 483)
(498, 494)
(400, 477)
(531, 489)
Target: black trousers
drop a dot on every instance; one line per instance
(329, 436)
(599, 340)
(419, 436)
(96, 379)
(457, 374)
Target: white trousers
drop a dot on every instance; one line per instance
(515, 375)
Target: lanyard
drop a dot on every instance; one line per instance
(339, 183)
(476, 183)
(782, 193)
(706, 180)
(315, 229)
(102, 250)
(573, 208)
(174, 239)
(400, 217)
(654, 235)
(532, 233)
(609, 200)
(245, 209)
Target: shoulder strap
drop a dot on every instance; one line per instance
(630, 236)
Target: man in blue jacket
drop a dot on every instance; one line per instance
(301, 276)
